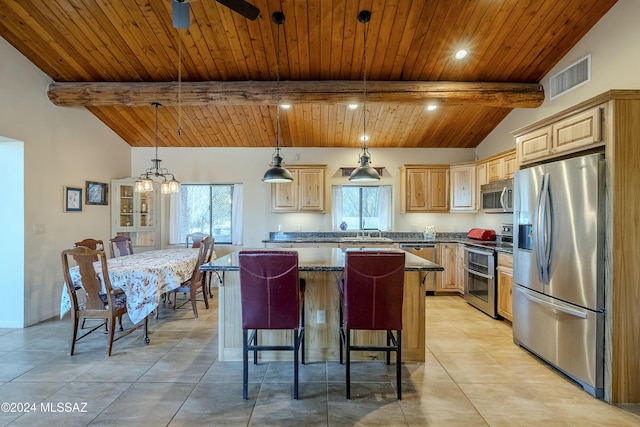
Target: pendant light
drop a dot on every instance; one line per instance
(277, 174)
(364, 172)
(144, 183)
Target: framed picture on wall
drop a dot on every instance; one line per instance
(97, 193)
(72, 199)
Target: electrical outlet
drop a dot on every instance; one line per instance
(320, 316)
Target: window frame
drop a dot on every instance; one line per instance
(210, 221)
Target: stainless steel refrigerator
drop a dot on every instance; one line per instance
(558, 271)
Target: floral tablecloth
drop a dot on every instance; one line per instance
(143, 277)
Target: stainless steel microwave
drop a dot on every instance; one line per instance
(497, 196)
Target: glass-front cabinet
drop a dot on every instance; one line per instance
(135, 214)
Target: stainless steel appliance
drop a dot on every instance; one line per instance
(506, 238)
(497, 196)
(479, 279)
(428, 252)
(558, 295)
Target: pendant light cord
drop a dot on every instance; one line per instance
(364, 87)
(157, 105)
(278, 92)
(179, 85)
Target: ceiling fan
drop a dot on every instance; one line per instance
(181, 9)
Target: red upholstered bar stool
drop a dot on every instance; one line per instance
(371, 297)
(272, 297)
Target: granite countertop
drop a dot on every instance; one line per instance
(319, 259)
(396, 237)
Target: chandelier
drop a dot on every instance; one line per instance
(145, 181)
(364, 172)
(277, 174)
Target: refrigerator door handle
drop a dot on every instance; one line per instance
(543, 245)
(536, 230)
(555, 307)
(548, 229)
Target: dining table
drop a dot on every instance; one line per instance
(143, 277)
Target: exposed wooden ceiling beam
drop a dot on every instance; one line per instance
(137, 94)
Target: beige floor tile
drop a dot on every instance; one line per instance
(473, 376)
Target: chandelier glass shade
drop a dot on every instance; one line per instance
(364, 172)
(145, 181)
(277, 174)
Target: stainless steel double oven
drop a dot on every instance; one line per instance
(480, 278)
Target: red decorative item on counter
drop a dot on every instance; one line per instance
(481, 234)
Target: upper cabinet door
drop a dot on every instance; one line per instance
(424, 188)
(304, 194)
(284, 197)
(463, 188)
(438, 196)
(311, 189)
(417, 190)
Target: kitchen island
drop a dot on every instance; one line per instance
(321, 268)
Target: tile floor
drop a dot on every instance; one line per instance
(473, 376)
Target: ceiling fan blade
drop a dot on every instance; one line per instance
(180, 14)
(244, 8)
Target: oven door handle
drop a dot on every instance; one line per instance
(477, 273)
(479, 251)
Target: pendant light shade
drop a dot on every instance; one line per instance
(364, 172)
(144, 183)
(277, 174)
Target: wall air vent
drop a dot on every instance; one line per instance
(571, 77)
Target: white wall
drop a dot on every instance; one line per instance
(62, 146)
(247, 166)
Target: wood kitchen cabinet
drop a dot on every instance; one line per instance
(424, 188)
(575, 132)
(463, 187)
(135, 215)
(460, 268)
(447, 280)
(481, 179)
(505, 285)
(501, 166)
(304, 194)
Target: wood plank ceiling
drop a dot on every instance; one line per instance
(133, 41)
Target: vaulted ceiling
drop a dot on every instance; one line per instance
(116, 57)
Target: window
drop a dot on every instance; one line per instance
(207, 209)
(362, 207)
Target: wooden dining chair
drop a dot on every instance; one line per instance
(105, 304)
(196, 282)
(91, 244)
(122, 244)
(371, 297)
(196, 239)
(272, 297)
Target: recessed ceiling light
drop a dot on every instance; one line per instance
(431, 107)
(285, 105)
(461, 53)
(364, 138)
(353, 106)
